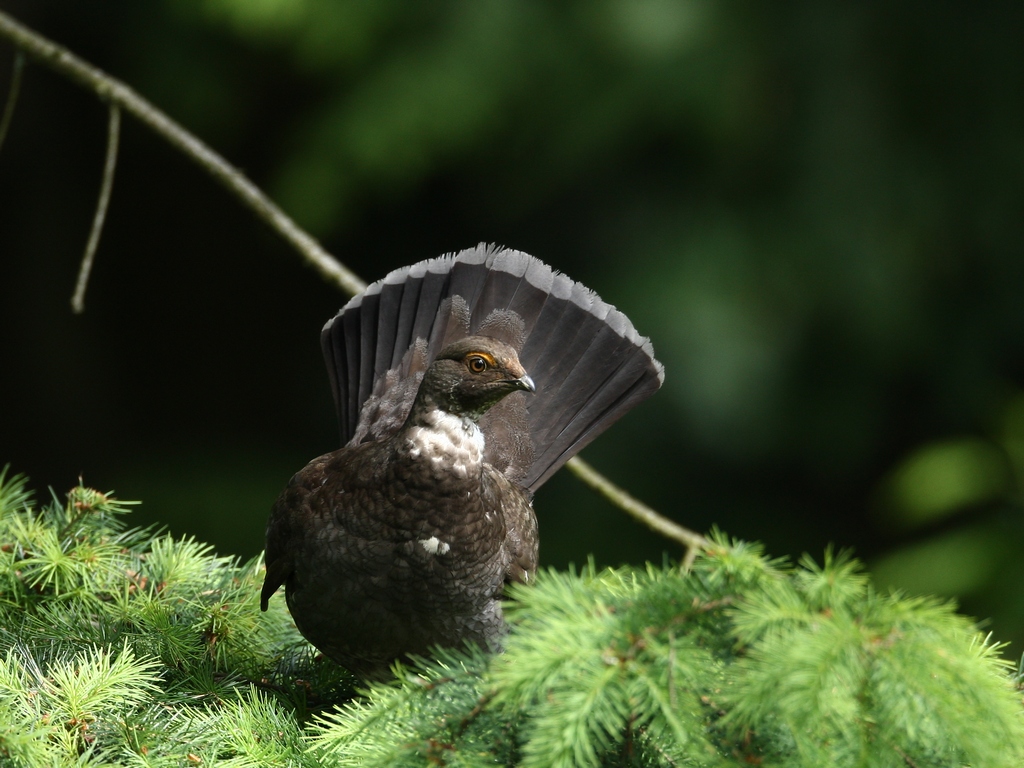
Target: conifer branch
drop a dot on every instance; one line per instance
(12, 95)
(128, 647)
(106, 186)
(113, 91)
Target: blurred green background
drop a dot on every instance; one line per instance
(816, 212)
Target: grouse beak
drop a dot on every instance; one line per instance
(526, 383)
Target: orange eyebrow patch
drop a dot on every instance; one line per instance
(485, 355)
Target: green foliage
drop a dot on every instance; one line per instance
(130, 647)
(852, 677)
(439, 712)
(127, 647)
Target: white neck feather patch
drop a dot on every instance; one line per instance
(447, 440)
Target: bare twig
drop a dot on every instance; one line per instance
(119, 95)
(691, 555)
(114, 91)
(12, 95)
(109, 165)
(658, 523)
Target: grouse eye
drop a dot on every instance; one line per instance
(477, 363)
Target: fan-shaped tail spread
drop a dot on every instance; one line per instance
(586, 359)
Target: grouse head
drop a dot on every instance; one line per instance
(471, 375)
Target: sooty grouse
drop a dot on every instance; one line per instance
(462, 383)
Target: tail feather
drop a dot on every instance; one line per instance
(433, 292)
(351, 341)
(572, 429)
(372, 308)
(390, 302)
(590, 379)
(412, 291)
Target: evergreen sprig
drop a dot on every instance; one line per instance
(122, 646)
(130, 647)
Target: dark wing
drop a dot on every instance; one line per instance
(521, 536)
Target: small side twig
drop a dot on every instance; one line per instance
(12, 95)
(116, 92)
(474, 713)
(692, 541)
(106, 186)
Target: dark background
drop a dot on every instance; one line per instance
(815, 211)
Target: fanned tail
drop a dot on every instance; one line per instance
(589, 364)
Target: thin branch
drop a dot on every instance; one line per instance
(658, 523)
(117, 94)
(114, 91)
(690, 556)
(109, 165)
(12, 95)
